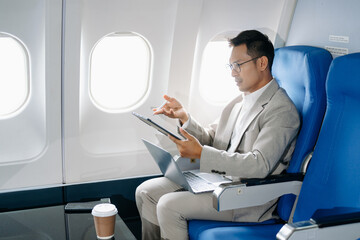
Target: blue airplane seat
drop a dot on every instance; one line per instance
(336, 181)
(301, 71)
(332, 180)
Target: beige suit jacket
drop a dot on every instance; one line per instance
(267, 142)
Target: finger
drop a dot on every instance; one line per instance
(174, 102)
(172, 112)
(168, 113)
(157, 111)
(175, 140)
(168, 98)
(186, 134)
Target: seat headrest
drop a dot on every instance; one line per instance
(344, 76)
(296, 68)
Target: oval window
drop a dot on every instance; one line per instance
(216, 84)
(119, 71)
(14, 75)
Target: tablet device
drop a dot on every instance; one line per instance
(151, 123)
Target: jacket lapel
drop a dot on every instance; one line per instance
(231, 124)
(227, 123)
(256, 109)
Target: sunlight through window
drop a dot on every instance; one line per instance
(14, 84)
(216, 84)
(119, 71)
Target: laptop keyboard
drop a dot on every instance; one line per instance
(197, 183)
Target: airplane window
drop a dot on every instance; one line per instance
(14, 78)
(216, 84)
(119, 71)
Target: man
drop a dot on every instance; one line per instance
(254, 137)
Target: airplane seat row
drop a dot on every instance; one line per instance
(302, 71)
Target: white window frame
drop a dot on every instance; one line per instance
(23, 99)
(146, 87)
(211, 84)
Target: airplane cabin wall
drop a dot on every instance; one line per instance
(100, 145)
(329, 24)
(30, 139)
(61, 137)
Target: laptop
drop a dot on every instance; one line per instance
(193, 181)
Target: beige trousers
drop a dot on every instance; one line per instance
(164, 209)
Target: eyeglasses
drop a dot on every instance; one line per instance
(236, 66)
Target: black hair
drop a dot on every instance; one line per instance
(257, 43)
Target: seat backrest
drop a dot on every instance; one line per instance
(333, 176)
(302, 71)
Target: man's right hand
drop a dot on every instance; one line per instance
(172, 109)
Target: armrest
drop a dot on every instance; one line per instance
(324, 224)
(335, 216)
(255, 192)
(287, 177)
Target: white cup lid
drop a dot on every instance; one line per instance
(104, 210)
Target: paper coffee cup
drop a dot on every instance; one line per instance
(104, 219)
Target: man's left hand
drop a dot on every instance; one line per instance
(189, 148)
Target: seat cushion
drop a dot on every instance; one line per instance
(259, 232)
(196, 227)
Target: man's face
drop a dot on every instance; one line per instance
(248, 78)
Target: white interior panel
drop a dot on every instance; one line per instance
(104, 145)
(330, 23)
(30, 145)
(100, 144)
